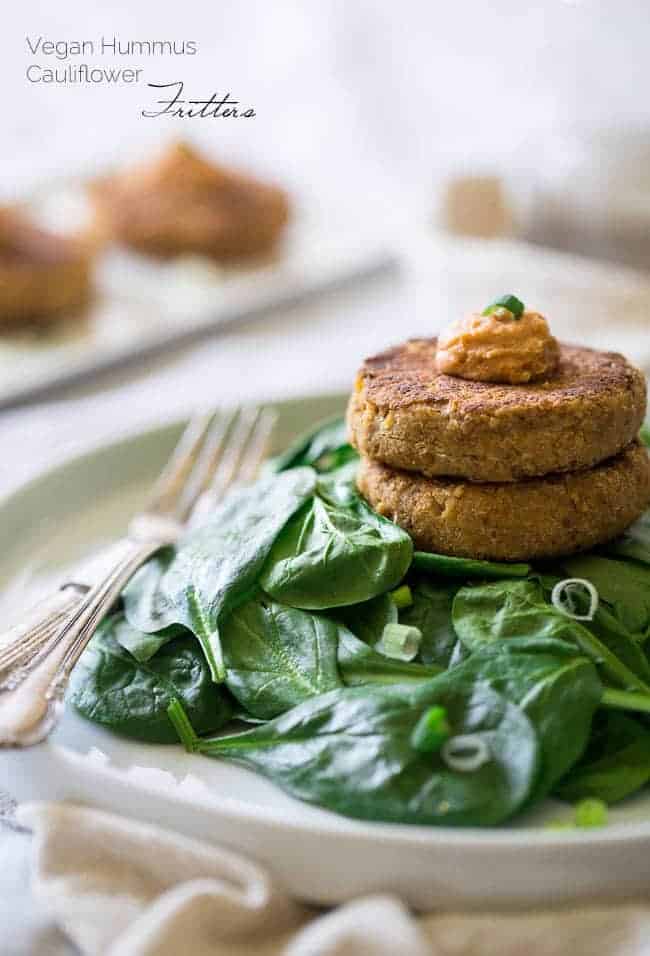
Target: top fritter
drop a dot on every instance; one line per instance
(408, 414)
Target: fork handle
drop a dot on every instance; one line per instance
(31, 696)
(24, 640)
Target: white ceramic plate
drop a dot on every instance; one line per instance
(319, 856)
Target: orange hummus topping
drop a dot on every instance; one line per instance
(498, 346)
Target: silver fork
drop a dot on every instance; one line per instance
(213, 453)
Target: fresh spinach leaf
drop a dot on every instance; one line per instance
(324, 447)
(143, 646)
(627, 647)
(633, 543)
(360, 664)
(351, 751)
(467, 567)
(616, 764)
(330, 555)
(368, 620)
(430, 612)
(339, 486)
(216, 566)
(624, 585)
(278, 656)
(517, 610)
(609, 630)
(555, 688)
(110, 687)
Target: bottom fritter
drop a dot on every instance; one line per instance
(537, 518)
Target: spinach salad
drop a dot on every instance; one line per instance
(297, 632)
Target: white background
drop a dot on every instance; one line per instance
(363, 96)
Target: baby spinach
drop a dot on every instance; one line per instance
(368, 620)
(278, 656)
(110, 687)
(430, 612)
(633, 543)
(467, 567)
(350, 751)
(360, 664)
(624, 585)
(217, 565)
(330, 555)
(616, 764)
(609, 630)
(332, 719)
(554, 687)
(339, 486)
(627, 647)
(323, 447)
(141, 645)
(517, 609)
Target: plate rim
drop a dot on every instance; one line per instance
(500, 838)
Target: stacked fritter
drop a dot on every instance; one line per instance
(499, 471)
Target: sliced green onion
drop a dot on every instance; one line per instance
(466, 567)
(182, 725)
(399, 642)
(465, 753)
(590, 812)
(402, 596)
(431, 731)
(563, 598)
(509, 302)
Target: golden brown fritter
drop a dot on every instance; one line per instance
(181, 204)
(42, 275)
(536, 518)
(406, 414)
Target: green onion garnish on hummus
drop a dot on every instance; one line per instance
(509, 302)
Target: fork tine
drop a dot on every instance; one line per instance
(247, 445)
(257, 446)
(170, 483)
(208, 461)
(212, 453)
(234, 452)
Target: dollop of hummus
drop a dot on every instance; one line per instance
(498, 348)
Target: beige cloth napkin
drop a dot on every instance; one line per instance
(122, 888)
